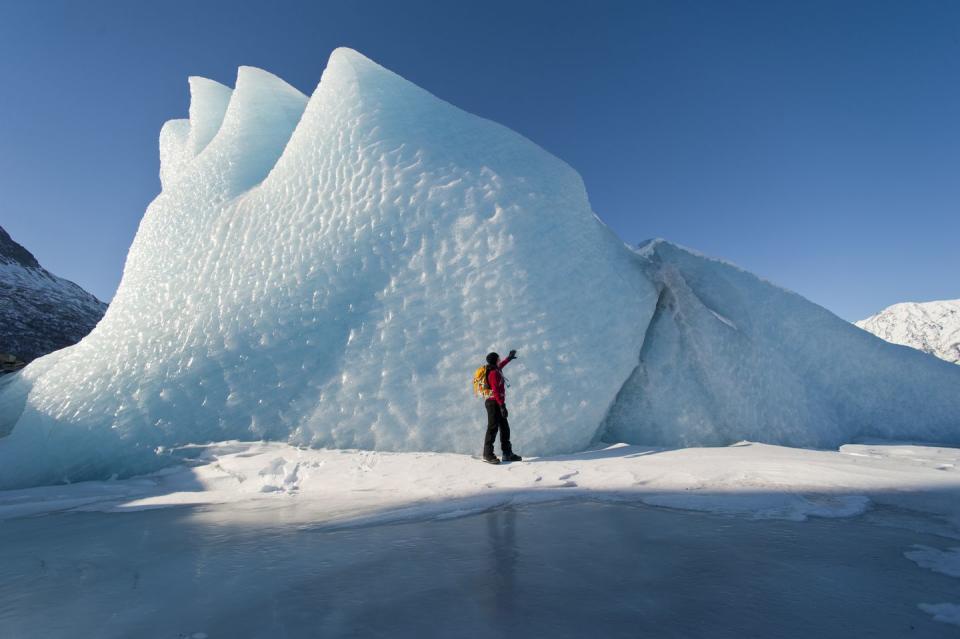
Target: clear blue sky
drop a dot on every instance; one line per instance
(815, 143)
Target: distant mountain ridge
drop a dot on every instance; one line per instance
(931, 327)
(40, 312)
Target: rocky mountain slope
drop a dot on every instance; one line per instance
(39, 312)
(931, 327)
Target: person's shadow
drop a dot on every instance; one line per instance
(626, 451)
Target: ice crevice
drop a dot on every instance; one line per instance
(604, 432)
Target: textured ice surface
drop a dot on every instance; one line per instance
(182, 140)
(331, 272)
(728, 356)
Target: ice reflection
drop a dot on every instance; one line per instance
(566, 570)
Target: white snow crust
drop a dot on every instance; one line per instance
(932, 327)
(945, 612)
(942, 561)
(328, 272)
(341, 488)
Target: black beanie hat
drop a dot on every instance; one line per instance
(492, 359)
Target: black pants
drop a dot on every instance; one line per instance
(495, 422)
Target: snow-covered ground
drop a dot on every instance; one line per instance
(904, 496)
(351, 487)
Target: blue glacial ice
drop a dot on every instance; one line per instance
(329, 271)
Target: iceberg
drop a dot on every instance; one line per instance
(329, 271)
(728, 356)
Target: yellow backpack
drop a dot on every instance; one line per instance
(481, 384)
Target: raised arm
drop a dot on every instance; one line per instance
(512, 356)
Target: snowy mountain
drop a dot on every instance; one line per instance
(39, 312)
(330, 271)
(931, 327)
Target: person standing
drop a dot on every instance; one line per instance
(496, 406)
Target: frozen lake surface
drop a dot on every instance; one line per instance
(575, 569)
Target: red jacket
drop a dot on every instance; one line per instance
(495, 379)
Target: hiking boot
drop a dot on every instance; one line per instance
(512, 457)
(491, 459)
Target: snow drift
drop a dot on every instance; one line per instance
(328, 271)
